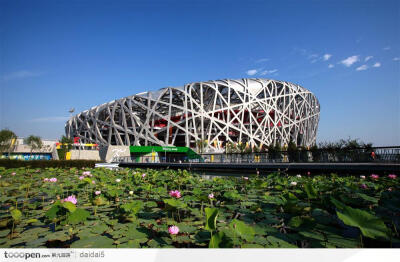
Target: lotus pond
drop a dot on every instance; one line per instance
(127, 208)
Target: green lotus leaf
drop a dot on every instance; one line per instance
(94, 242)
(38, 242)
(312, 234)
(16, 214)
(216, 240)
(78, 216)
(60, 235)
(186, 228)
(100, 201)
(368, 198)
(211, 218)
(370, 225)
(275, 200)
(69, 206)
(174, 203)
(99, 229)
(295, 221)
(133, 233)
(130, 244)
(275, 242)
(245, 231)
(31, 221)
(4, 233)
(311, 192)
(133, 207)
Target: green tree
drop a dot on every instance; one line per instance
(292, 152)
(6, 141)
(242, 147)
(34, 142)
(201, 145)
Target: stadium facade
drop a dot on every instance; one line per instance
(258, 112)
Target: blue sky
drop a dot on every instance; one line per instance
(55, 55)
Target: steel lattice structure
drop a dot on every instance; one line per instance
(259, 112)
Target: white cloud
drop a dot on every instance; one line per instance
(396, 59)
(261, 60)
(19, 75)
(252, 72)
(386, 48)
(331, 66)
(50, 119)
(377, 64)
(361, 68)
(327, 56)
(268, 72)
(350, 60)
(368, 58)
(312, 56)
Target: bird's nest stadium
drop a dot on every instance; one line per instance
(258, 112)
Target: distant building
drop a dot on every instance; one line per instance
(257, 112)
(20, 150)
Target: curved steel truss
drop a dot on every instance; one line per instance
(259, 112)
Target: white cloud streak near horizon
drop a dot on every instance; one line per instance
(362, 68)
(350, 60)
(368, 58)
(377, 64)
(262, 60)
(267, 72)
(331, 66)
(251, 72)
(20, 75)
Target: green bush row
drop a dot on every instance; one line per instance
(13, 163)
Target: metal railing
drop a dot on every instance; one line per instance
(359, 155)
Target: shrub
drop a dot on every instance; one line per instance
(13, 163)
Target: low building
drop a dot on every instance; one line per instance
(21, 151)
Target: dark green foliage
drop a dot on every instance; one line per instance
(13, 163)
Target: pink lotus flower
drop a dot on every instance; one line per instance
(173, 230)
(13, 173)
(390, 189)
(93, 182)
(143, 175)
(362, 177)
(45, 179)
(53, 179)
(175, 193)
(71, 199)
(97, 192)
(81, 177)
(364, 186)
(308, 173)
(374, 176)
(392, 176)
(211, 196)
(245, 178)
(86, 173)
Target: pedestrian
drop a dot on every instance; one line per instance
(373, 155)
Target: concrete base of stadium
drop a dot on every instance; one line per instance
(365, 168)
